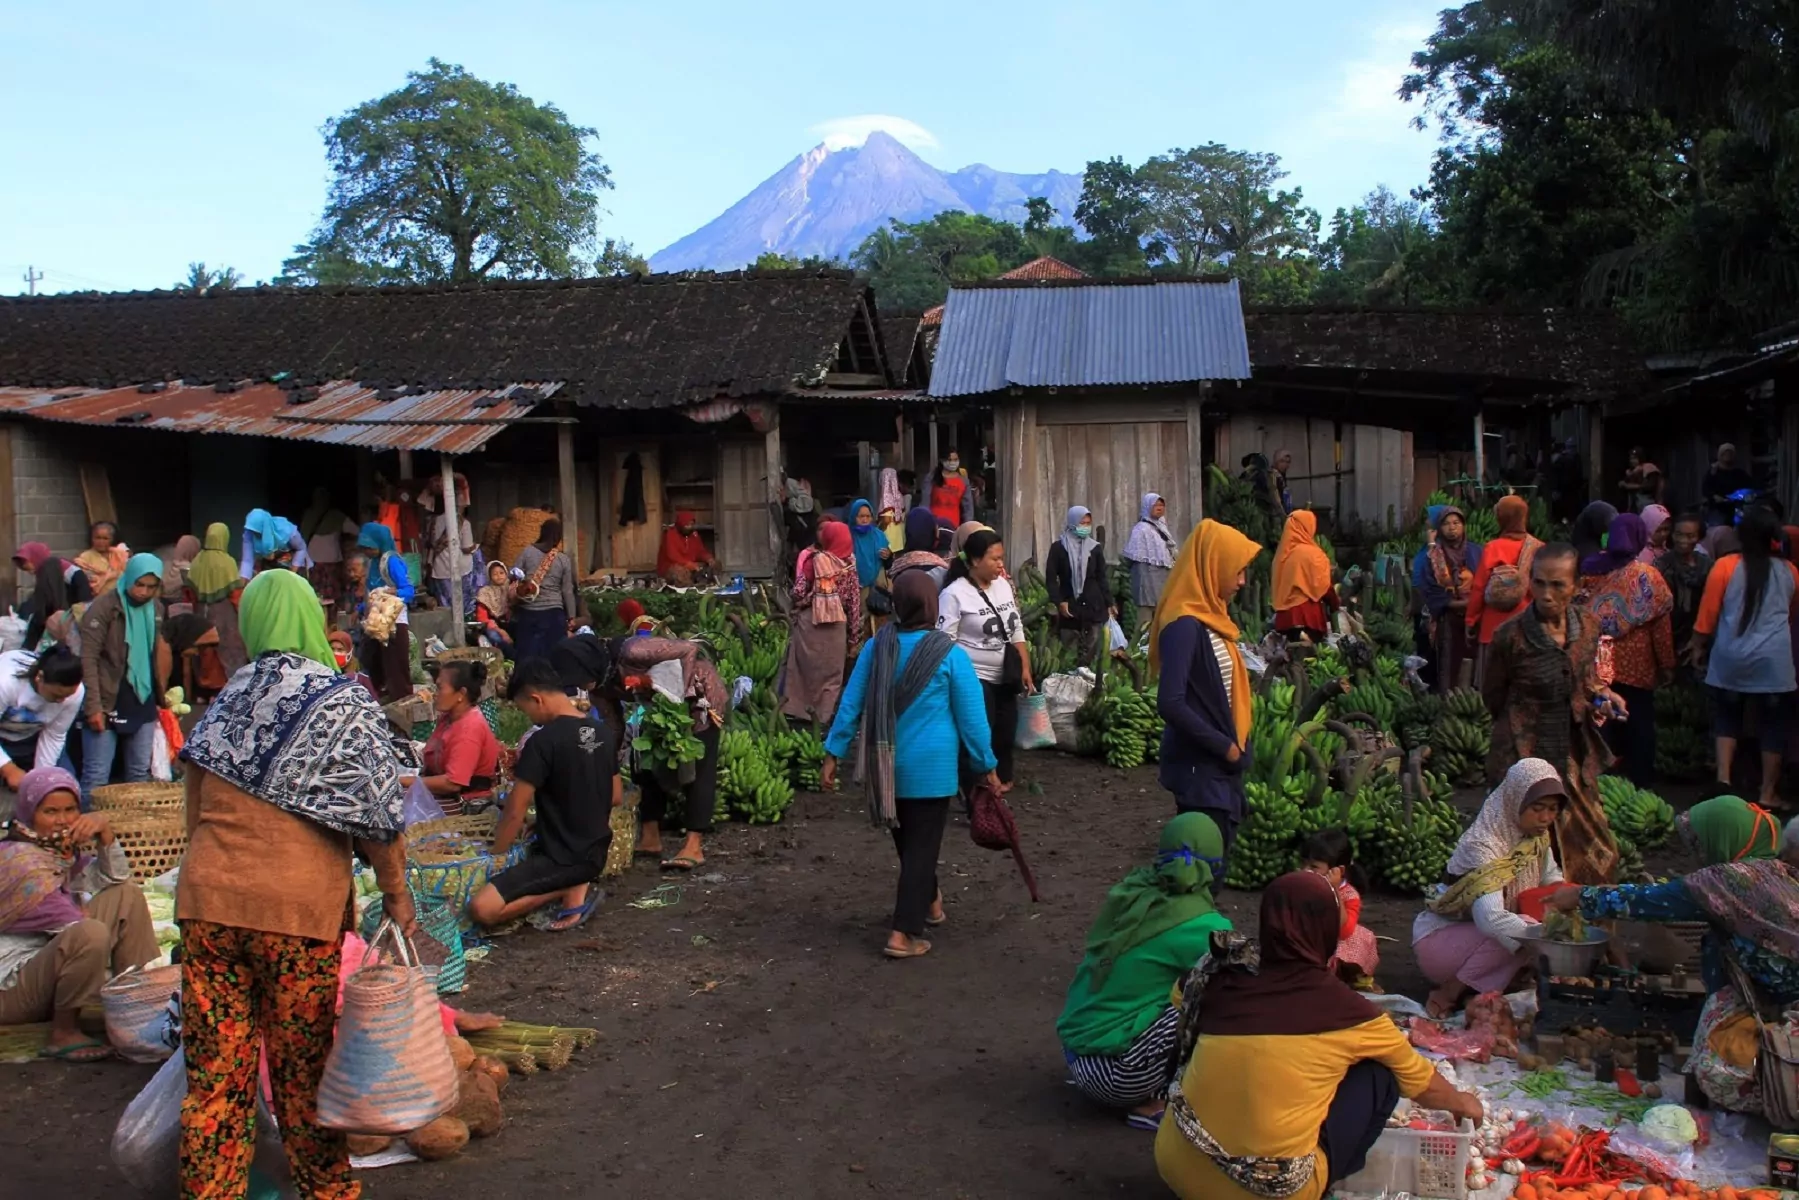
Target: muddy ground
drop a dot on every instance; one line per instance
(753, 1043)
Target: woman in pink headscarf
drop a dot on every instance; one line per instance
(1658, 522)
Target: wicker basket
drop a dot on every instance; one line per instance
(153, 840)
(623, 822)
(137, 797)
(522, 528)
(449, 859)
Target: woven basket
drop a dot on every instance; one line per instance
(136, 797)
(136, 1005)
(446, 867)
(153, 840)
(522, 528)
(624, 835)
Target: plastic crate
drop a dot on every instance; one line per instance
(1429, 1164)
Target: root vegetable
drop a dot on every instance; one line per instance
(461, 1053)
(362, 1145)
(445, 1136)
(495, 1070)
(478, 1105)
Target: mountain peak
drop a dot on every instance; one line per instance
(827, 200)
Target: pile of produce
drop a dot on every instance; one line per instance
(1124, 718)
(1405, 847)
(1267, 844)
(1635, 814)
(666, 737)
(1460, 740)
(1049, 656)
(752, 785)
(1683, 733)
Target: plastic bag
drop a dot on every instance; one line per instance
(12, 631)
(1115, 639)
(162, 767)
(1065, 694)
(1467, 1045)
(146, 1144)
(420, 804)
(1034, 729)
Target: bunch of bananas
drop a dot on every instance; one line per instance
(800, 753)
(1641, 816)
(1271, 726)
(760, 664)
(1130, 729)
(1482, 526)
(665, 735)
(1630, 868)
(1265, 845)
(1410, 856)
(1124, 596)
(1415, 720)
(750, 782)
(1460, 741)
(1683, 738)
(1325, 665)
(1372, 699)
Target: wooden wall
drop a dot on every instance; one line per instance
(1365, 474)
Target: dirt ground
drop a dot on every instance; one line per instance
(754, 1044)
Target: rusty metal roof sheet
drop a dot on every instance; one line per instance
(343, 412)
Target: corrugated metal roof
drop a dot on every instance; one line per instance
(421, 421)
(1089, 335)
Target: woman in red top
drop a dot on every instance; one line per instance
(463, 756)
(949, 491)
(1509, 548)
(1634, 606)
(683, 551)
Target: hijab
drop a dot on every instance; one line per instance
(280, 611)
(267, 535)
(1494, 855)
(34, 895)
(1078, 549)
(869, 541)
(1654, 517)
(214, 572)
(921, 531)
(376, 537)
(1302, 571)
(892, 499)
(1150, 542)
(1729, 829)
(915, 602)
(140, 625)
(893, 688)
(496, 597)
(1623, 544)
(1591, 527)
(834, 538)
(1286, 987)
(1215, 554)
(1513, 515)
(32, 555)
(1152, 900)
(582, 661)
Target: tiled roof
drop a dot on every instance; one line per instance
(341, 413)
(1045, 268)
(1092, 334)
(900, 335)
(635, 342)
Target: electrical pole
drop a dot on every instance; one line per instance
(32, 276)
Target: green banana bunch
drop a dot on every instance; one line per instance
(1371, 699)
(1130, 729)
(1265, 845)
(1640, 816)
(1460, 740)
(751, 784)
(1683, 736)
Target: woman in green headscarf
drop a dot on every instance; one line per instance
(216, 580)
(124, 668)
(1120, 1028)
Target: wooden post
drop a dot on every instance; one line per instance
(1480, 449)
(935, 459)
(771, 455)
(604, 462)
(405, 465)
(1196, 459)
(1595, 451)
(569, 502)
(453, 527)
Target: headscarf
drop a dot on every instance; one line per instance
(377, 537)
(1729, 829)
(280, 611)
(946, 537)
(1624, 542)
(1152, 900)
(187, 548)
(1150, 542)
(496, 598)
(1654, 517)
(921, 531)
(892, 499)
(1283, 985)
(1449, 560)
(1210, 561)
(1513, 515)
(582, 661)
(834, 538)
(267, 535)
(292, 731)
(1494, 855)
(214, 572)
(34, 893)
(1078, 548)
(1302, 572)
(1590, 528)
(869, 541)
(32, 555)
(1757, 900)
(892, 689)
(140, 625)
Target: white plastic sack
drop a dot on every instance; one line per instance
(670, 679)
(1115, 639)
(1064, 695)
(12, 631)
(146, 1144)
(162, 767)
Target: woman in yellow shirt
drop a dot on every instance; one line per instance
(1292, 1075)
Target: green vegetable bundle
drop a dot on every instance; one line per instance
(666, 734)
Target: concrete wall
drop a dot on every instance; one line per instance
(46, 482)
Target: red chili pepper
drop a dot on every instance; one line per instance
(1627, 1083)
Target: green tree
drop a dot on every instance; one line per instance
(1114, 210)
(1210, 205)
(1043, 238)
(454, 178)
(1377, 252)
(620, 258)
(773, 260)
(912, 267)
(200, 278)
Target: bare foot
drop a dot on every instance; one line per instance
(468, 1022)
(1443, 1002)
(901, 945)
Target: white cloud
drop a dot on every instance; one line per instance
(841, 133)
(1368, 94)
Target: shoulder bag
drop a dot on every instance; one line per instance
(527, 589)
(1011, 671)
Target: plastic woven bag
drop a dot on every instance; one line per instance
(1034, 729)
(136, 1004)
(439, 945)
(389, 1071)
(146, 1143)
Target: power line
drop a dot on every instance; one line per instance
(32, 276)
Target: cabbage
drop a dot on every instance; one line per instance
(1670, 1123)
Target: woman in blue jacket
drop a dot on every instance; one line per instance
(1203, 692)
(916, 702)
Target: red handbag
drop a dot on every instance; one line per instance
(990, 821)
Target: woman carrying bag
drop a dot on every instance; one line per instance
(979, 610)
(290, 765)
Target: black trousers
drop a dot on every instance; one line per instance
(919, 840)
(1001, 702)
(1633, 741)
(1357, 1115)
(701, 796)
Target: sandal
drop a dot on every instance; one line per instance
(1144, 1121)
(87, 1050)
(579, 915)
(918, 949)
(680, 862)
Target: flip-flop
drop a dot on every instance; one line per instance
(581, 913)
(680, 862)
(933, 922)
(918, 949)
(1144, 1121)
(87, 1050)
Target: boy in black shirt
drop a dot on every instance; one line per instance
(568, 767)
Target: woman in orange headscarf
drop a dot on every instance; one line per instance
(1303, 596)
(1203, 691)
(1513, 550)
(683, 552)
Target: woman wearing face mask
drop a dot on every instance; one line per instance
(950, 498)
(40, 697)
(1075, 573)
(124, 670)
(1541, 683)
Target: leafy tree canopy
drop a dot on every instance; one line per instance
(454, 178)
(201, 278)
(912, 265)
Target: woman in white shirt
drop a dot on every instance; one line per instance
(978, 609)
(40, 697)
(1470, 938)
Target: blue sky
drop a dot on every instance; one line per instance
(141, 137)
